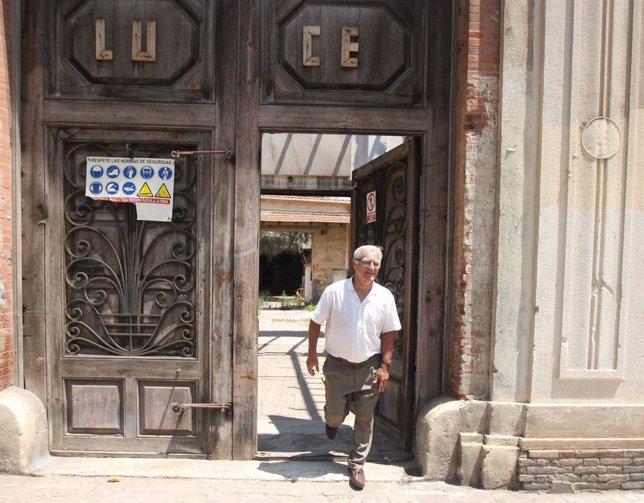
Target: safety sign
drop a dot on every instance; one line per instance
(149, 183)
(371, 206)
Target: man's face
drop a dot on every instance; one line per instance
(367, 267)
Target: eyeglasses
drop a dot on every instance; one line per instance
(367, 262)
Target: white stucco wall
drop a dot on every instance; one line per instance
(569, 304)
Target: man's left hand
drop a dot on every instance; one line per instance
(382, 376)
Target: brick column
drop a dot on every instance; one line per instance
(477, 89)
(7, 353)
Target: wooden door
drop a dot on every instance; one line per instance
(384, 213)
(129, 320)
(128, 343)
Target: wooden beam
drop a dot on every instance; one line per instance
(35, 211)
(431, 360)
(246, 236)
(222, 190)
(67, 112)
(329, 119)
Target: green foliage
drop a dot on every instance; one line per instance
(287, 302)
(263, 296)
(271, 244)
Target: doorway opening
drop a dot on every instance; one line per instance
(283, 259)
(307, 185)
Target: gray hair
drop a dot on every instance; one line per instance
(364, 249)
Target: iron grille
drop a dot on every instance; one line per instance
(130, 284)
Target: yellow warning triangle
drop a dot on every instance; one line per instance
(145, 191)
(163, 192)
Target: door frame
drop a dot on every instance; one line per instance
(431, 261)
(431, 123)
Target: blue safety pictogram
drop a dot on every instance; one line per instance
(112, 188)
(96, 188)
(165, 173)
(96, 171)
(147, 172)
(129, 172)
(113, 171)
(129, 188)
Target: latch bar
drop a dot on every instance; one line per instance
(227, 153)
(180, 407)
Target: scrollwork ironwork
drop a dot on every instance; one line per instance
(389, 231)
(130, 285)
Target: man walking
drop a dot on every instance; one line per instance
(361, 324)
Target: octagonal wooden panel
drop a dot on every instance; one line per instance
(147, 50)
(363, 52)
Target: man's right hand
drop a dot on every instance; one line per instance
(312, 364)
(312, 360)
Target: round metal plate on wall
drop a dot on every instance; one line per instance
(601, 137)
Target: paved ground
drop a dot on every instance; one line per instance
(290, 401)
(290, 427)
(208, 486)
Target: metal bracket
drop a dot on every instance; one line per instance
(180, 407)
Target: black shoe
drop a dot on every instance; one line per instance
(356, 477)
(330, 431)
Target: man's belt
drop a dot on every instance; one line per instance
(348, 363)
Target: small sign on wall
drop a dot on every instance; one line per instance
(149, 183)
(371, 206)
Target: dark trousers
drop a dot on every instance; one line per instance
(350, 387)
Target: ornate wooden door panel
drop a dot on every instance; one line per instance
(393, 180)
(128, 334)
(124, 317)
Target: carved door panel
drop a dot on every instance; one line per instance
(316, 51)
(148, 50)
(128, 338)
(384, 206)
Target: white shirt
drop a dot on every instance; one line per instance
(353, 327)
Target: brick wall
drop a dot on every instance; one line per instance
(477, 81)
(6, 241)
(578, 470)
